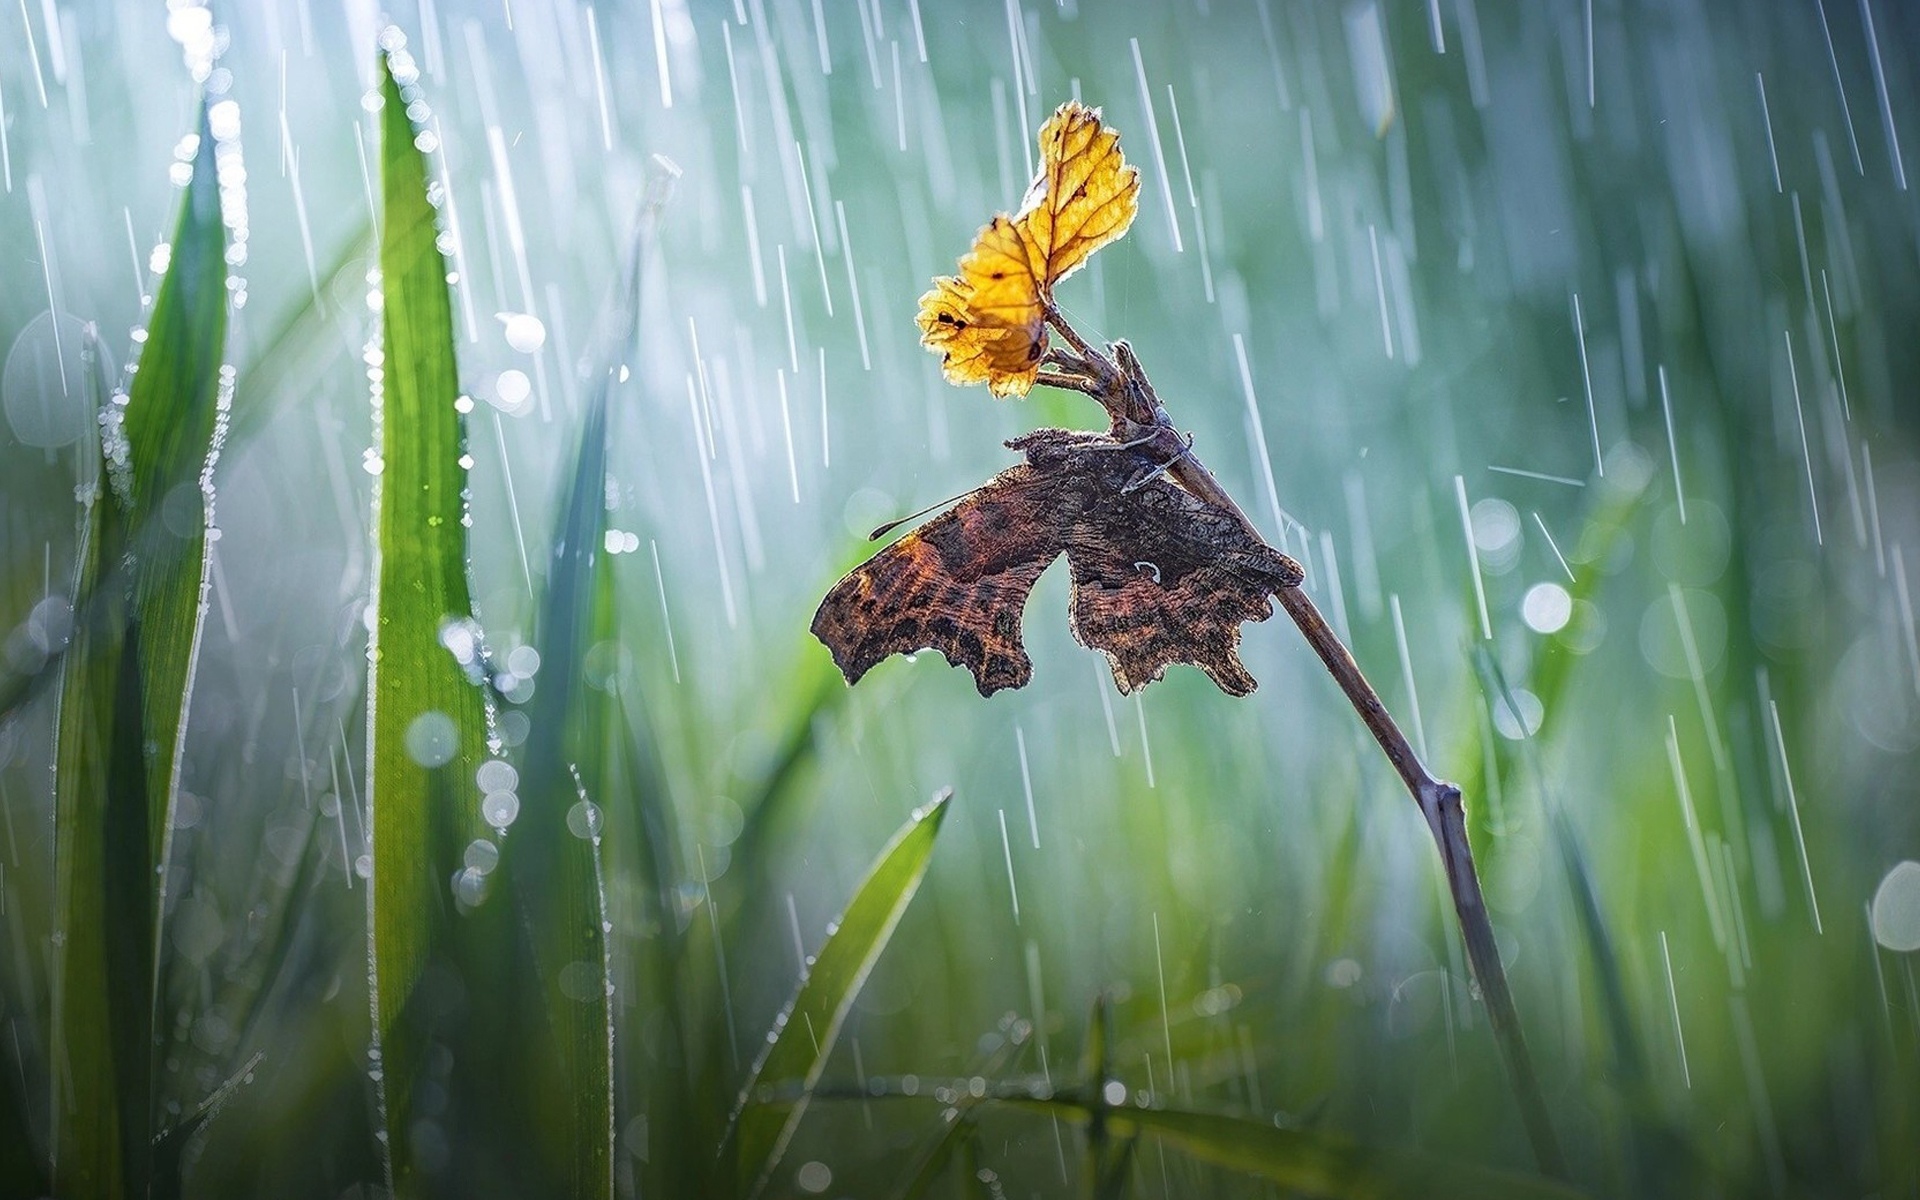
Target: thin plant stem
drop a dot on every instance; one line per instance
(1067, 381)
(1058, 321)
(1440, 802)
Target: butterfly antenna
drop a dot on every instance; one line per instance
(890, 526)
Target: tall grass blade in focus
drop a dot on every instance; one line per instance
(804, 1035)
(427, 723)
(125, 691)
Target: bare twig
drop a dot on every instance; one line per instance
(1440, 804)
(1135, 410)
(1058, 321)
(1068, 381)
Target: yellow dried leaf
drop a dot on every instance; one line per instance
(1084, 196)
(986, 323)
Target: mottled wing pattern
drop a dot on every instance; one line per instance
(1160, 576)
(958, 584)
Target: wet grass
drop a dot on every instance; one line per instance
(1254, 917)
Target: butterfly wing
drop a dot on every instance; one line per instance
(1162, 577)
(957, 584)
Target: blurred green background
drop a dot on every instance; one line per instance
(1602, 300)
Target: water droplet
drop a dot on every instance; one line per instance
(482, 855)
(1495, 525)
(723, 822)
(432, 739)
(184, 24)
(1525, 722)
(499, 809)
(469, 887)
(223, 118)
(635, 1136)
(582, 981)
(514, 725)
(44, 388)
(512, 390)
(197, 929)
(523, 331)
(496, 775)
(1546, 608)
(1896, 908)
(1676, 647)
(584, 819)
(813, 1177)
(523, 661)
(1343, 973)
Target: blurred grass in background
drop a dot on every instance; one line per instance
(1413, 275)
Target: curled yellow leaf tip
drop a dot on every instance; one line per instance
(988, 322)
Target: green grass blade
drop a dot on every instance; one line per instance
(1102, 1168)
(774, 802)
(805, 1034)
(1309, 1163)
(427, 725)
(934, 1160)
(1323, 1165)
(558, 877)
(102, 998)
(563, 1036)
(173, 414)
(305, 345)
(21, 1171)
(124, 695)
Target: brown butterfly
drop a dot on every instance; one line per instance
(1160, 576)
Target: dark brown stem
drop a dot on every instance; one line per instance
(1439, 802)
(1446, 818)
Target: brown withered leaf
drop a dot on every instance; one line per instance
(987, 322)
(1159, 576)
